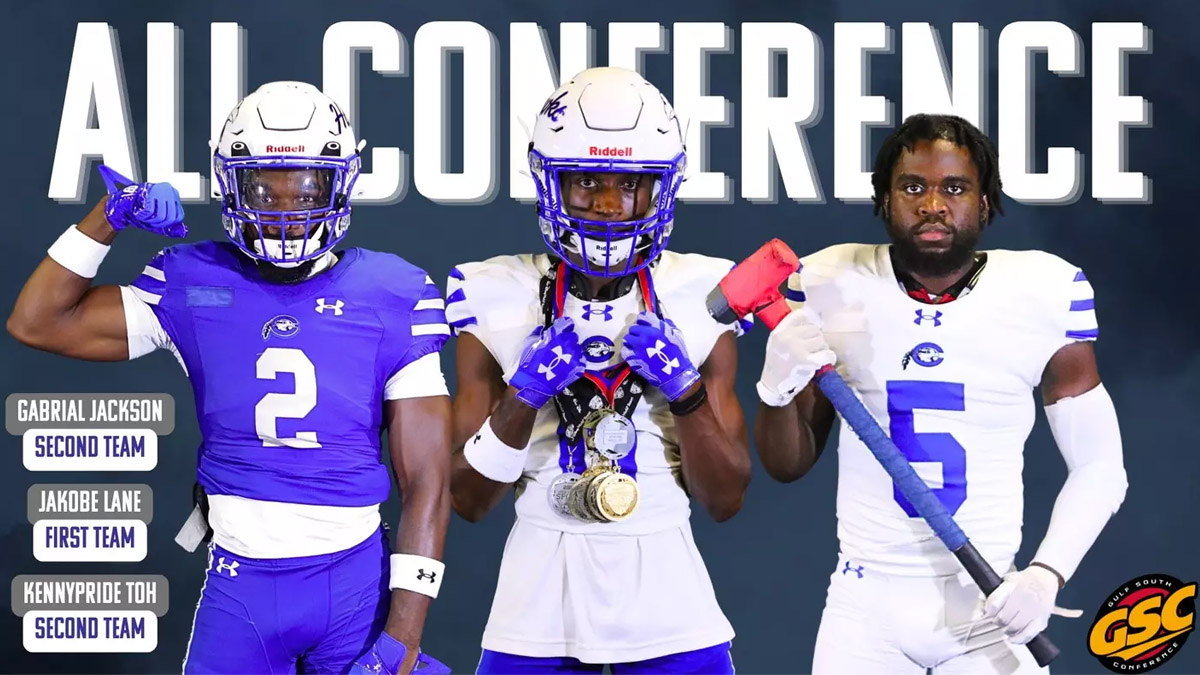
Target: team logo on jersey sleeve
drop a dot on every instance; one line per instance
(925, 354)
(1143, 623)
(284, 326)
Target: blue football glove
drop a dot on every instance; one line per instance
(654, 349)
(387, 654)
(153, 207)
(551, 359)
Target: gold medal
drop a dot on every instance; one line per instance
(578, 494)
(615, 496)
(590, 494)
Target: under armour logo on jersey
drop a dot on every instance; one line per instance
(668, 363)
(336, 306)
(547, 369)
(423, 575)
(935, 317)
(604, 310)
(232, 567)
(857, 570)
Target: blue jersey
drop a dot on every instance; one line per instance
(289, 379)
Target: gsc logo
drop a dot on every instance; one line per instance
(1143, 624)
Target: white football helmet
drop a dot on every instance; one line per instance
(286, 155)
(607, 120)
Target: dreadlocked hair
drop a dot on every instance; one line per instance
(923, 127)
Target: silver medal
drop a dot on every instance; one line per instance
(559, 491)
(613, 436)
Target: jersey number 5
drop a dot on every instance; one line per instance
(907, 396)
(277, 360)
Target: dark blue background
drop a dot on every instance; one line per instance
(770, 564)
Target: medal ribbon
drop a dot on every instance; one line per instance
(616, 385)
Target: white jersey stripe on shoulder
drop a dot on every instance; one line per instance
(1082, 291)
(148, 298)
(149, 284)
(430, 291)
(430, 329)
(431, 303)
(154, 273)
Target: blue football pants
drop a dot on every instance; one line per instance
(713, 660)
(314, 614)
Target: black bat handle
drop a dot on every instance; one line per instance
(985, 577)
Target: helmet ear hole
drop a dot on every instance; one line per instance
(239, 149)
(332, 149)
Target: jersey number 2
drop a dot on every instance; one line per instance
(907, 396)
(296, 405)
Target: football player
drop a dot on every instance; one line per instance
(945, 344)
(593, 381)
(299, 357)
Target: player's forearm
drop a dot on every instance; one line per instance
(512, 420)
(52, 290)
(474, 494)
(1082, 509)
(1086, 431)
(424, 518)
(51, 312)
(716, 467)
(46, 302)
(785, 442)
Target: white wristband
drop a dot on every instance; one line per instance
(417, 574)
(492, 458)
(78, 252)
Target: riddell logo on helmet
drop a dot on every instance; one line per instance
(594, 151)
(285, 148)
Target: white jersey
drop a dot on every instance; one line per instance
(600, 592)
(952, 385)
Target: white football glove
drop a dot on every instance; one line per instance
(1022, 605)
(796, 349)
